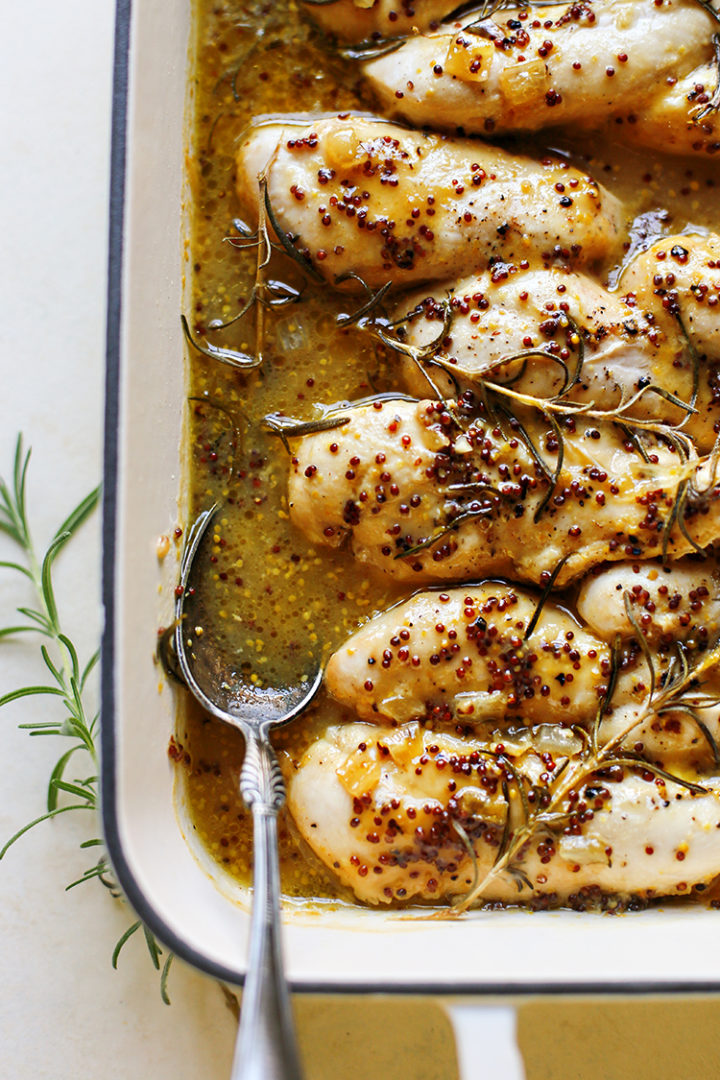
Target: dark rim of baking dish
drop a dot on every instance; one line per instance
(126, 878)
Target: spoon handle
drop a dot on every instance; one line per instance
(266, 1047)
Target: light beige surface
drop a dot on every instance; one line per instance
(63, 1012)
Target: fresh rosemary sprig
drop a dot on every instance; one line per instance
(266, 294)
(676, 689)
(69, 680)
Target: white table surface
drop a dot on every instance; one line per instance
(64, 1013)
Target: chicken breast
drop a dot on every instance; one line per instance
(422, 500)
(383, 808)
(358, 20)
(675, 603)
(670, 311)
(462, 656)
(526, 70)
(672, 607)
(679, 278)
(365, 196)
(672, 120)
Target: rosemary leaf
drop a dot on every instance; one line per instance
(89, 668)
(153, 948)
(231, 357)
(37, 616)
(549, 586)
(94, 872)
(8, 631)
(122, 940)
(640, 763)
(164, 978)
(28, 691)
(79, 515)
(56, 776)
(444, 530)
(4, 565)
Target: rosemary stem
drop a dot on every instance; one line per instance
(263, 253)
(54, 633)
(581, 772)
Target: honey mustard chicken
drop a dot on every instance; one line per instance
(681, 119)
(430, 491)
(580, 65)
(483, 695)
(367, 197)
(384, 808)
(537, 478)
(358, 20)
(475, 655)
(662, 329)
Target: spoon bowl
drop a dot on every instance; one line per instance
(210, 672)
(266, 1046)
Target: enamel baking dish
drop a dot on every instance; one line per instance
(183, 897)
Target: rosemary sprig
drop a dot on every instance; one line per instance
(561, 406)
(422, 356)
(287, 427)
(266, 294)
(501, 398)
(68, 681)
(674, 690)
(559, 402)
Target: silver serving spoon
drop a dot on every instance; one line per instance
(266, 1047)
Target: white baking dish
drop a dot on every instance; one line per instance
(203, 919)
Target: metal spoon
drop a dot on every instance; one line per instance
(266, 1047)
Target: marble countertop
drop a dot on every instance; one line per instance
(65, 1013)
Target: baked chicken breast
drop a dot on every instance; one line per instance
(394, 812)
(662, 328)
(580, 65)
(364, 196)
(427, 491)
